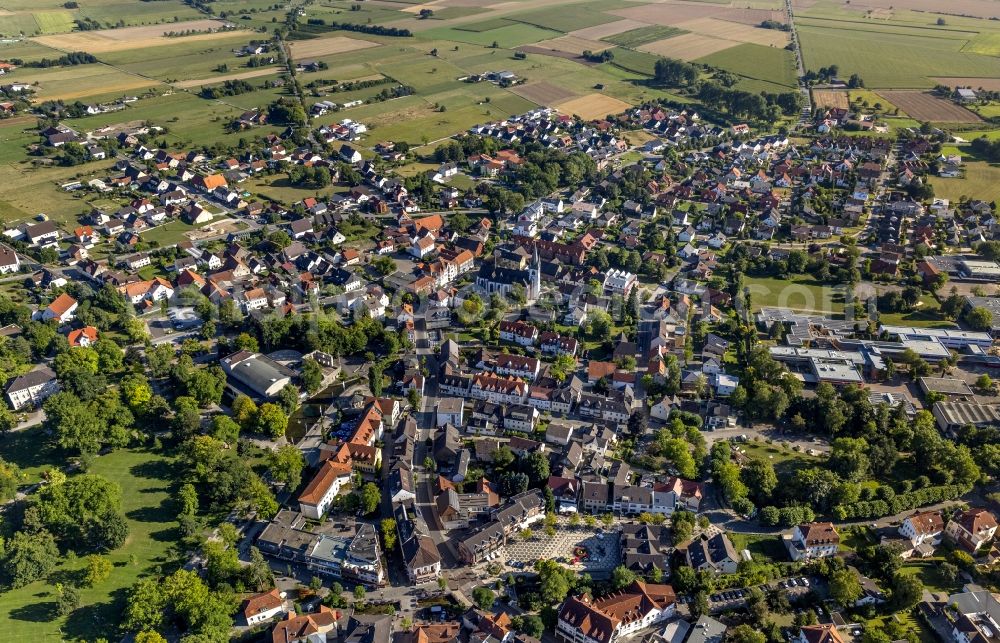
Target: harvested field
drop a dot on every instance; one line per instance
(609, 29)
(326, 46)
(736, 31)
(977, 8)
(543, 93)
(924, 107)
(752, 17)
(690, 46)
(989, 84)
(574, 45)
(103, 41)
(593, 106)
(255, 73)
(830, 98)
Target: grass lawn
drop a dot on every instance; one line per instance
(799, 292)
(779, 455)
(926, 571)
(927, 315)
(168, 234)
(145, 477)
(768, 547)
(981, 181)
(911, 623)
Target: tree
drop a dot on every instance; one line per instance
(359, 592)
(84, 512)
(622, 577)
(183, 595)
(484, 597)
(225, 429)
(503, 457)
(984, 383)
(187, 497)
(744, 634)
(28, 557)
(562, 367)
(312, 375)
(388, 526)
(845, 587)
(286, 464)
(700, 604)
(979, 318)
(760, 478)
(245, 411)
(148, 636)
(288, 398)
(271, 420)
(68, 599)
(906, 591)
(258, 573)
(528, 624)
(136, 392)
(98, 569)
(369, 496)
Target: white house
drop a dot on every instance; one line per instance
(62, 309)
(324, 487)
(261, 608)
(9, 261)
(924, 530)
(32, 388)
(812, 540)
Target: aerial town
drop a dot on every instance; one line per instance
(686, 372)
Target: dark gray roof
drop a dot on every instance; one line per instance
(35, 377)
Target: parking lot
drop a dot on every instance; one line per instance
(735, 598)
(603, 550)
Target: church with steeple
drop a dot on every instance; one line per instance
(502, 274)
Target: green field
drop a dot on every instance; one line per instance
(183, 61)
(189, 120)
(568, 18)
(756, 62)
(981, 181)
(799, 292)
(506, 37)
(643, 35)
(636, 61)
(485, 25)
(926, 315)
(46, 17)
(146, 478)
(905, 53)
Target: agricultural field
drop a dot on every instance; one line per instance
(756, 62)
(634, 38)
(925, 107)
(98, 42)
(898, 48)
(593, 106)
(830, 98)
(25, 18)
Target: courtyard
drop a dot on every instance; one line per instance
(601, 549)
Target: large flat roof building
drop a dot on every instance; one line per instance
(257, 374)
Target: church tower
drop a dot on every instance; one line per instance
(535, 272)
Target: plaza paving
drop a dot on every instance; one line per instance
(604, 549)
